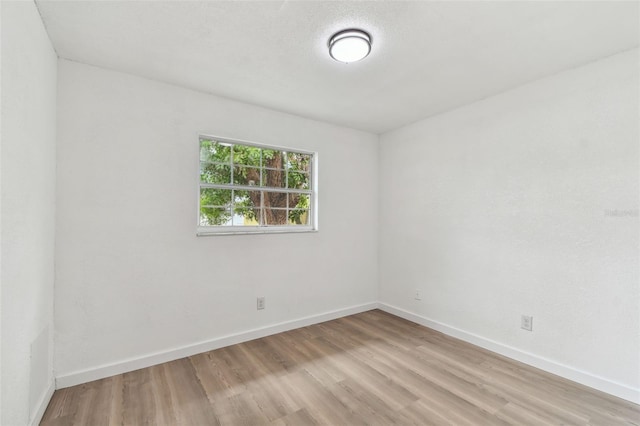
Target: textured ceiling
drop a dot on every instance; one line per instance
(427, 57)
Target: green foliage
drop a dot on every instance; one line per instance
(221, 163)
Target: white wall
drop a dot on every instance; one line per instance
(132, 278)
(29, 66)
(503, 207)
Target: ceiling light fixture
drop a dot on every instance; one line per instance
(349, 45)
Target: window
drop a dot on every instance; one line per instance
(249, 188)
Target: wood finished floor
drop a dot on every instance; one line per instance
(371, 368)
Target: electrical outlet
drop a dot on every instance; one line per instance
(260, 303)
(526, 323)
(417, 295)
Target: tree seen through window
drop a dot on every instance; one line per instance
(244, 185)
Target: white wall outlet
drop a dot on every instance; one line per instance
(417, 295)
(260, 303)
(526, 323)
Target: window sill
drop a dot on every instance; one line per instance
(205, 232)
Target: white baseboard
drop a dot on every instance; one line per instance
(43, 404)
(124, 366)
(573, 374)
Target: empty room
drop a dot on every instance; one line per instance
(320, 213)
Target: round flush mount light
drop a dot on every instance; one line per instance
(349, 45)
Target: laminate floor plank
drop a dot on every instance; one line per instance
(376, 382)
(162, 397)
(63, 405)
(367, 369)
(368, 408)
(300, 417)
(320, 402)
(138, 400)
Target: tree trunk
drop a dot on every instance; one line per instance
(273, 201)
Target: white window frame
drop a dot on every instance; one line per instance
(260, 229)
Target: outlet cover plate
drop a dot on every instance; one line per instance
(526, 323)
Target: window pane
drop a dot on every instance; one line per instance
(273, 178)
(247, 155)
(299, 180)
(275, 216)
(215, 197)
(214, 152)
(247, 208)
(300, 201)
(215, 216)
(215, 173)
(299, 217)
(298, 162)
(245, 216)
(246, 176)
(272, 159)
(275, 199)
